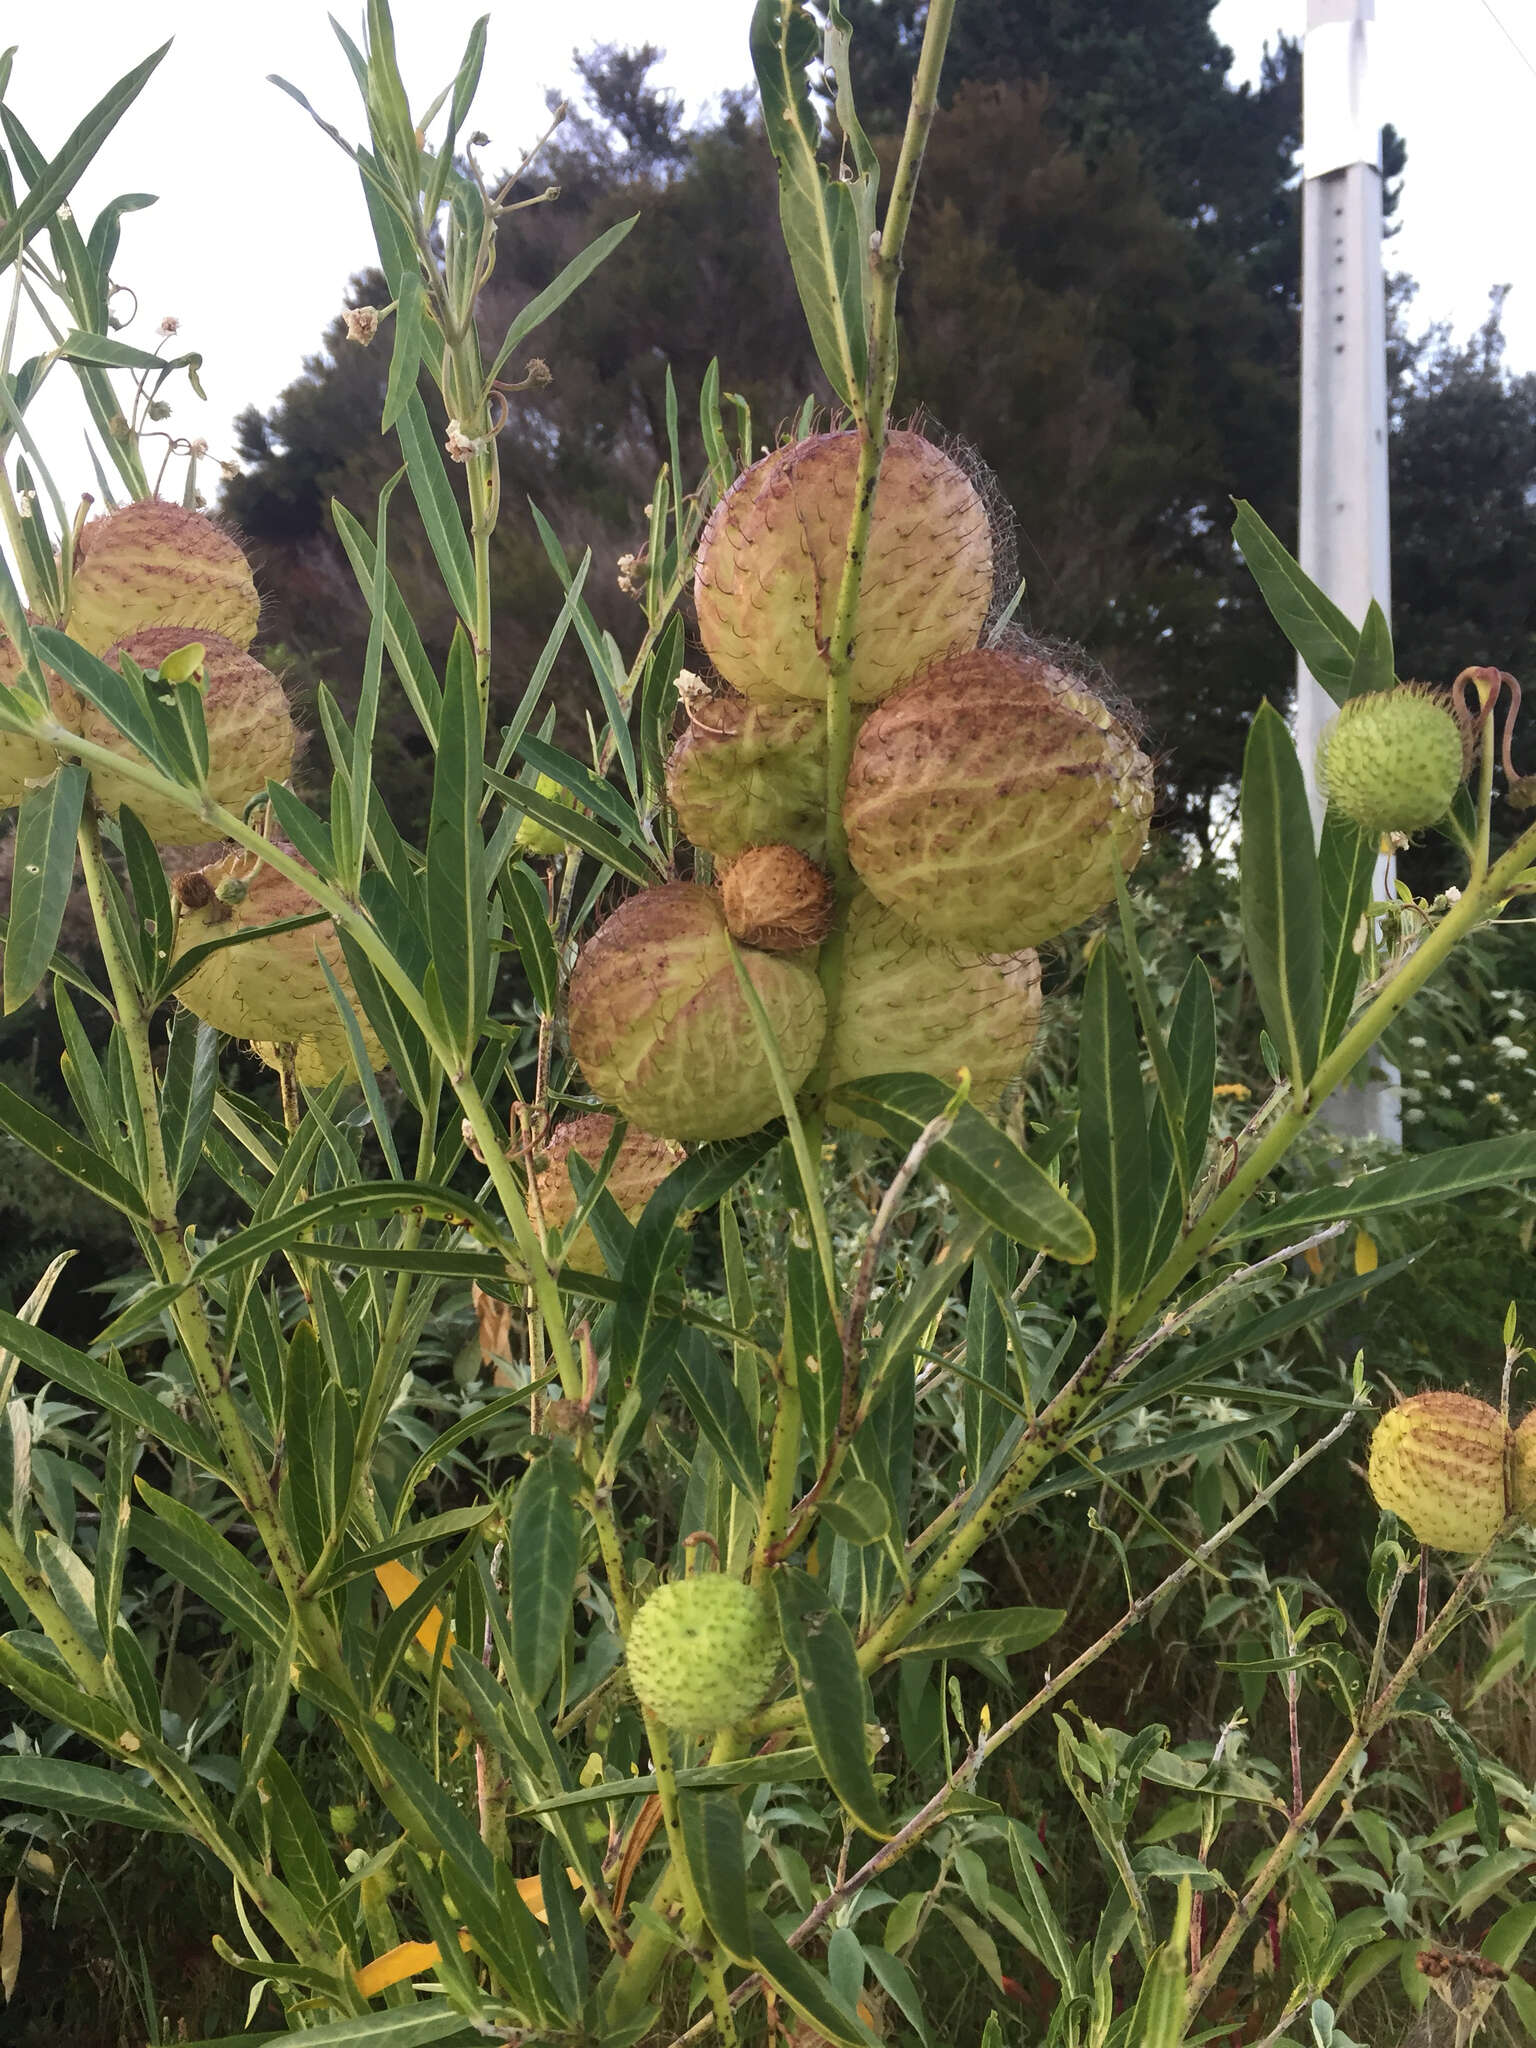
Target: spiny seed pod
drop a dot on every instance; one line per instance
(250, 732)
(1523, 1469)
(771, 561)
(23, 760)
(1437, 1462)
(1393, 760)
(660, 1027)
(157, 564)
(777, 899)
(745, 774)
(271, 989)
(912, 1004)
(703, 1652)
(640, 1166)
(988, 801)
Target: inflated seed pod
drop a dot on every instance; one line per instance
(988, 801)
(770, 564)
(660, 1026)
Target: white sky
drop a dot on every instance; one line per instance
(260, 220)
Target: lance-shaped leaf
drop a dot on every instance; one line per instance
(833, 1692)
(1112, 1135)
(1281, 895)
(819, 214)
(42, 874)
(544, 1550)
(1309, 619)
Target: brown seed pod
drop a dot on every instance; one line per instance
(744, 774)
(660, 1027)
(640, 1166)
(778, 900)
(988, 800)
(1437, 1462)
(271, 989)
(912, 1004)
(250, 732)
(153, 563)
(771, 561)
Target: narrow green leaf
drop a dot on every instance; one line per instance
(802, 1987)
(440, 515)
(456, 881)
(714, 1841)
(405, 359)
(1309, 619)
(186, 1094)
(526, 802)
(527, 912)
(1281, 895)
(64, 1152)
(87, 1792)
(559, 289)
(413, 2026)
(400, 633)
(49, 191)
(307, 1491)
(818, 215)
(1112, 1136)
(710, 1394)
(1429, 1177)
(833, 1693)
(182, 1543)
(544, 1553)
(303, 1854)
(995, 1632)
(1374, 667)
(1346, 865)
(42, 875)
(981, 1163)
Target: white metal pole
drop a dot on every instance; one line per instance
(1344, 533)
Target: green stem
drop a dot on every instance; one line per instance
(695, 1932)
(1372, 1720)
(245, 1470)
(33, 1588)
(783, 1462)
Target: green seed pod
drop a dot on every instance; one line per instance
(1523, 1468)
(912, 1004)
(152, 563)
(533, 835)
(1393, 760)
(1437, 1462)
(23, 760)
(271, 990)
(748, 774)
(703, 1652)
(660, 1028)
(771, 561)
(251, 735)
(988, 801)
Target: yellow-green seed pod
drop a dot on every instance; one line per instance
(703, 1652)
(153, 563)
(1437, 1463)
(661, 1029)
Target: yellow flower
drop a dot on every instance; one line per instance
(399, 1584)
(1236, 1089)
